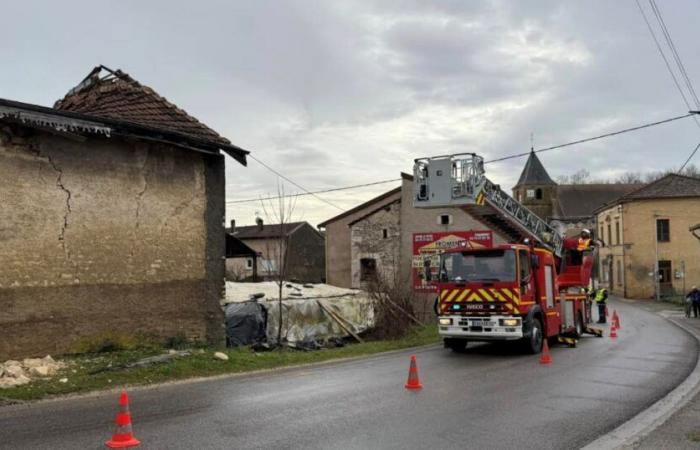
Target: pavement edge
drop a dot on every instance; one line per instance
(630, 433)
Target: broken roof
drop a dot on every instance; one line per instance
(118, 104)
(534, 172)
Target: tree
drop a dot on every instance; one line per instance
(280, 214)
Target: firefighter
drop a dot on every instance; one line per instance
(584, 240)
(600, 298)
(693, 298)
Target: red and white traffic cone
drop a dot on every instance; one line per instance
(123, 436)
(413, 380)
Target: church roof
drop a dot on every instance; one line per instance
(581, 200)
(534, 173)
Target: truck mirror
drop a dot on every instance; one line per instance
(535, 261)
(426, 269)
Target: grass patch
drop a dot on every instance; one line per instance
(87, 372)
(694, 436)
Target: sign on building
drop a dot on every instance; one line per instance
(428, 246)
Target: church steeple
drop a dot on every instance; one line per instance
(535, 189)
(534, 173)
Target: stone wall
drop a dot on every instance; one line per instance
(105, 235)
(367, 237)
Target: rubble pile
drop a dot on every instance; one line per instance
(16, 373)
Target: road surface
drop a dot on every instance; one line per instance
(488, 397)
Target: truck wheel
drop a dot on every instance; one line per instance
(456, 345)
(579, 325)
(533, 344)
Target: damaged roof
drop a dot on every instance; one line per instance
(115, 104)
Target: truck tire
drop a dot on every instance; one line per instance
(533, 344)
(456, 345)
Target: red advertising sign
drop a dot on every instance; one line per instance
(428, 246)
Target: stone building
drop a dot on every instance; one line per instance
(569, 207)
(649, 229)
(112, 208)
(305, 246)
(378, 238)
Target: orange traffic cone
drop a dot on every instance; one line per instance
(616, 319)
(613, 330)
(413, 381)
(546, 357)
(123, 436)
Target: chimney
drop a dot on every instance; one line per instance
(233, 225)
(259, 221)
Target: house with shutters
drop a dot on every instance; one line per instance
(648, 232)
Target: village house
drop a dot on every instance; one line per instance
(305, 249)
(568, 207)
(649, 230)
(387, 237)
(112, 208)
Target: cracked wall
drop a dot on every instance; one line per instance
(106, 235)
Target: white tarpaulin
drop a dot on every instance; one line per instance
(303, 319)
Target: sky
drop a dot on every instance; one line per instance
(339, 93)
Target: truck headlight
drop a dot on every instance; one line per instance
(509, 322)
(445, 321)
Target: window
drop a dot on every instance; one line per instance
(444, 219)
(479, 265)
(249, 263)
(610, 234)
(530, 193)
(538, 194)
(524, 265)
(617, 232)
(385, 233)
(602, 235)
(619, 272)
(368, 269)
(663, 230)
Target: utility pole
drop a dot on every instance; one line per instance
(657, 286)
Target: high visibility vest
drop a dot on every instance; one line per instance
(583, 244)
(600, 296)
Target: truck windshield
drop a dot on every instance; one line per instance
(483, 265)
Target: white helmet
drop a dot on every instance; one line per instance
(586, 230)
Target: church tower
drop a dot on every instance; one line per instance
(535, 189)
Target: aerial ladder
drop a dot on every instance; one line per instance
(459, 180)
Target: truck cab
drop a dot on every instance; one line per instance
(506, 293)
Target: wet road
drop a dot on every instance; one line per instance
(486, 398)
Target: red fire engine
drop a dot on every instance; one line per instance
(525, 291)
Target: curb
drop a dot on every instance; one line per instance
(630, 433)
(248, 374)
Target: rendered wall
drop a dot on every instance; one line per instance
(106, 236)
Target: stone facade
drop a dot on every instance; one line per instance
(107, 235)
(628, 260)
(376, 238)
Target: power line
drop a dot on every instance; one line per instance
(663, 56)
(674, 51)
(581, 141)
(292, 182)
(689, 158)
(315, 192)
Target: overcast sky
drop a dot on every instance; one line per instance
(336, 93)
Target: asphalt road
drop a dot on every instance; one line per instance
(488, 397)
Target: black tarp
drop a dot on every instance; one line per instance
(245, 323)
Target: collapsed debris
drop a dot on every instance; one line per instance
(313, 315)
(17, 373)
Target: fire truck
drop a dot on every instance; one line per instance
(525, 291)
